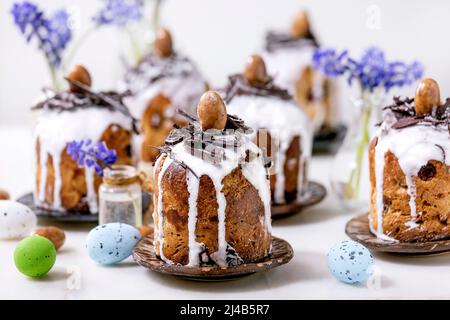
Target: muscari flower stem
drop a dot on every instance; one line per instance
(67, 63)
(353, 186)
(156, 16)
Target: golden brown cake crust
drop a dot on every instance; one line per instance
(156, 126)
(73, 181)
(432, 200)
(292, 168)
(244, 213)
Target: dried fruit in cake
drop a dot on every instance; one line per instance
(212, 195)
(409, 168)
(281, 129)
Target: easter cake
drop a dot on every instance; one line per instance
(161, 83)
(281, 128)
(77, 114)
(212, 194)
(288, 56)
(409, 169)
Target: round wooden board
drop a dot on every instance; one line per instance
(358, 229)
(316, 193)
(144, 254)
(73, 216)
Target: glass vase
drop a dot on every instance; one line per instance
(349, 177)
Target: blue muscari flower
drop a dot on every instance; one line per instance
(85, 153)
(52, 34)
(372, 70)
(119, 12)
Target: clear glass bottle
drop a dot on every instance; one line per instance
(349, 176)
(120, 196)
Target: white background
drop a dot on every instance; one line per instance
(219, 34)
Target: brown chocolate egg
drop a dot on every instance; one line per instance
(427, 96)
(163, 43)
(145, 231)
(211, 111)
(300, 25)
(255, 71)
(79, 73)
(54, 234)
(4, 195)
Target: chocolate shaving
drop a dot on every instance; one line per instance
(208, 145)
(405, 114)
(168, 67)
(279, 40)
(237, 85)
(71, 101)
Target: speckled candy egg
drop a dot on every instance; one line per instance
(16, 220)
(35, 256)
(350, 262)
(111, 243)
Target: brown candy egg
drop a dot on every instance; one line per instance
(300, 25)
(80, 74)
(54, 234)
(255, 71)
(211, 111)
(145, 230)
(4, 195)
(163, 43)
(427, 96)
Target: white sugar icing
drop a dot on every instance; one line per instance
(287, 65)
(413, 147)
(56, 129)
(254, 171)
(284, 120)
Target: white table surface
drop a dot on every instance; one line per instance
(311, 234)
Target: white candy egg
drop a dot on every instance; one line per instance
(16, 220)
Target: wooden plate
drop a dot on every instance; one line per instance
(358, 229)
(328, 140)
(316, 193)
(73, 216)
(144, 254)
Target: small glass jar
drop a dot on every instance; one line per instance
(120, 196)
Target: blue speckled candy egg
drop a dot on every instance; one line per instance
(111, 243)
(350, 262)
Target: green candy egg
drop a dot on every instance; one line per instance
(35, 256)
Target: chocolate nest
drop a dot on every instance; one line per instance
(279, 40)
(209, 145)
(405, 114)
(87, 98)
(238, 85)
(168, 68)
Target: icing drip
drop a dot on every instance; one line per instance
(195, 248)
(91, 196)
(284, 120)
(254, 171)
(58, 182)
(413, 146)
(55, 129)
(160, 226)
